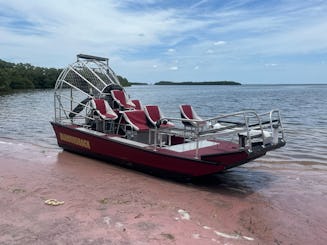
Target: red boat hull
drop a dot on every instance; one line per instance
(105, 147)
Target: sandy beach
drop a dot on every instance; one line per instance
(109, 204)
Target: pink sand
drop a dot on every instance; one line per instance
(108, 204)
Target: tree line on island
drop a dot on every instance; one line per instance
(26, 76)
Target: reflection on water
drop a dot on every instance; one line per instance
(237, 182)
(25, 115)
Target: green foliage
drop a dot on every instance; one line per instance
(139, 83)
(123, 81)
(21, 83)
(26, 76)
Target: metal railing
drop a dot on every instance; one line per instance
(63, 106)
(249, 125)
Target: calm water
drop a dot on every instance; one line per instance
(25, 116)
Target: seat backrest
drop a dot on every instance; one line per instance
(187, 111)
(138, 105)
(100, 105)
(153, 113)
(121, 98)
(137, 119)
(103, 108)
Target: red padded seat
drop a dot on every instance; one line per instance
(103, 109)
(137, 119)
(154, 114)
(122, 99)
(187, 112)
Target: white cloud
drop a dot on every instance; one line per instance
(271, 64)
(174, 68)
(98, 27)
(218, 43)
(48, 33)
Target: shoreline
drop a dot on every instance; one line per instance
(109, 204)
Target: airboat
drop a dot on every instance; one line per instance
(95, 117)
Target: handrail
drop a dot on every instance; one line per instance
(216, 118)
(81, 116)
(254, 129)
(66, 111)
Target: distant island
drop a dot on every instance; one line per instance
(135, 83)
(198, 83)
(26, 76)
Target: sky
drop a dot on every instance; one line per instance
(252, 42)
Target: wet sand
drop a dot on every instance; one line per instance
(108, 204)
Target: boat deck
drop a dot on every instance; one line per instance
(206, 147)
(189, 146)
(187, 149)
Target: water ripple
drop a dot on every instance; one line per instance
(25, 115)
